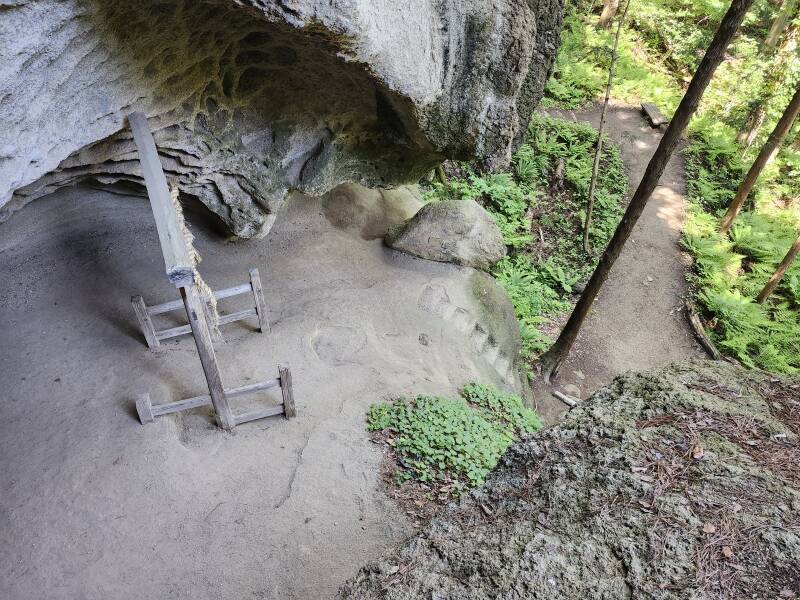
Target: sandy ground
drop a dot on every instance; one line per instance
(638, 321)
(96, 506)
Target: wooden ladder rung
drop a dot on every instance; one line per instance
(223, 320)
(147, 410)
(178, 304)
(260, 413)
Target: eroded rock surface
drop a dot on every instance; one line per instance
(456, 231)
(681, 483)
(370, 212)
(252, 98)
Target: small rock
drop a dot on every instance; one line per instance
(424, 339)
(572, 390)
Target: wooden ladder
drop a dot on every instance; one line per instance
(180, 272)
(154, 336)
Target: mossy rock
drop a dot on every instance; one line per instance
(678, 483)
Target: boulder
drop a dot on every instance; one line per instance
(456, 231)
(370, 212)
(249, 99)
(679, 483)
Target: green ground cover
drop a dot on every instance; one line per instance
(451, 443)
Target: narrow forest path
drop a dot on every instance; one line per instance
(638, 320)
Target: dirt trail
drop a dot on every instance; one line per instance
(638, 320)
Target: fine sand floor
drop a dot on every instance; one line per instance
(96, 506)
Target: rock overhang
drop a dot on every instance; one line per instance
(251, 99)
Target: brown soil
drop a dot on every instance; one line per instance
(638, 321)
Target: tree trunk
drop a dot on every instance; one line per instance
(779, 272)
(779, 26)
(754, 122)
(599, 148)
(773, 144)
(786, 54)
(552, 359)
(609, 10)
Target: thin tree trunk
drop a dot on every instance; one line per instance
(754, 123)
(599, 148)
(767, 151)
(609, 10)
(552, 359)
(779, 272)
(783, 58)
(779, 26)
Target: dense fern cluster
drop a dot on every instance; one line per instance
(730, 271)
(540, 219)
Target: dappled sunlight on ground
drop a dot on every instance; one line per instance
(670, 207)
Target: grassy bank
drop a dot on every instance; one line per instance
(539, 205)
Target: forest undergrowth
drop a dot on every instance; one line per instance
(661, 45)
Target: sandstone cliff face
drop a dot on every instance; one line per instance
(681, 483)
(249, 99)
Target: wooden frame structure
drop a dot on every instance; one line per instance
(154, 336)
(180, 272)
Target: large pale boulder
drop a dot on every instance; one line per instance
(370, 212)
(252, 98)
(456, 231)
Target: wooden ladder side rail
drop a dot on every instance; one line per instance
(148, 412)
(258, 298)
(178, 263)
(154, 336)
(194, 301)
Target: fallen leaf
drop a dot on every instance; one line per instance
(697, 452)
(709, 528)
(727, 551)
